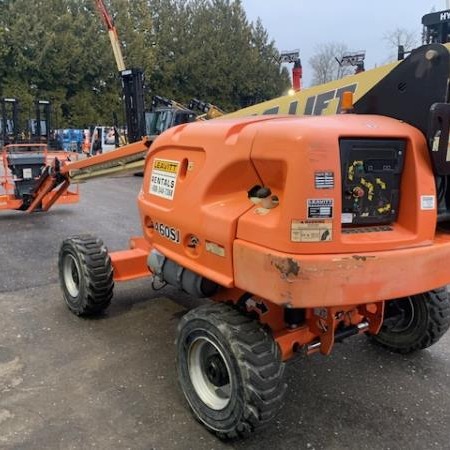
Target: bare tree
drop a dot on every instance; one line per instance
(401, 36)
(325, 64)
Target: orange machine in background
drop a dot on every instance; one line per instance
(22, 169)
(27, 154)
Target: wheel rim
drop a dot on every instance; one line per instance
(400, 315)
(71, 273)
(209, 373)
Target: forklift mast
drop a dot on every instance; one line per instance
(133, 92)
(41, 129)
(9, 120)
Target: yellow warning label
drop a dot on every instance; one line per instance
(166, 166)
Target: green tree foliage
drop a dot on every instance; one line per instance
(59, 50)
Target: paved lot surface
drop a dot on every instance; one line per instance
(110, 383)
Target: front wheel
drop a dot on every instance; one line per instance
(415, 322)
(85, 275)
(230, 370)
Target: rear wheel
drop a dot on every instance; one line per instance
(230, 370)
(86, 275)
(415, 322)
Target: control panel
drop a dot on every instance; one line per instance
(371, 173)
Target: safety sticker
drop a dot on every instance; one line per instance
(311, 231)
(164, 178)
(320, 208)
(427, 202)
(324, 180)
(347, 218)
(216, 249)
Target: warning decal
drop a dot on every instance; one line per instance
(164, 178)
(311, 231)
(426, 202)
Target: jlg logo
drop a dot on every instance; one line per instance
(170, 233)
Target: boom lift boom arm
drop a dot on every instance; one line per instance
(112, 32)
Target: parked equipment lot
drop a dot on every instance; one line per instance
(69, 383)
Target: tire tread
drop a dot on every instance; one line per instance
(259, 358)
(437, 304)
(96, 270)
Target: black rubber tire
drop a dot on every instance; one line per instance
(85, 275)
(253, 363)
(426, 319)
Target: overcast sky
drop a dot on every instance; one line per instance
(360, 24)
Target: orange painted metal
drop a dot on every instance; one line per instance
(249, 247)
(9, 202)
(44, 190)
(53, 196)
(214, 174)
(201, 216)
(131, 264)
(220, 161)
(288, 154)
(304, 281)
(319, 326)
(292, 340)
(44, 200)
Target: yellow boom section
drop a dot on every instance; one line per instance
(323, 99)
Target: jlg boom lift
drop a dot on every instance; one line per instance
(302, 231)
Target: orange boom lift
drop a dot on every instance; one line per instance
(303, 232)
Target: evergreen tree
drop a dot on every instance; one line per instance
(59, 50)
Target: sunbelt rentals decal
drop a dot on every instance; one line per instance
(164, 178)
